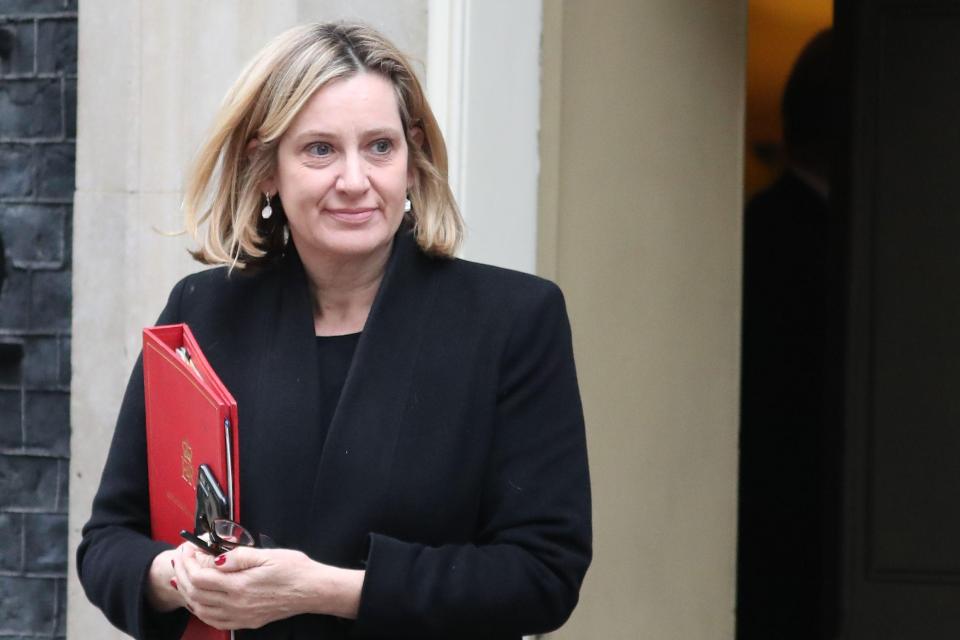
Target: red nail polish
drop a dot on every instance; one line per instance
(173, 583)
(220, 560)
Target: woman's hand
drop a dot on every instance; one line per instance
(247, 588)
(162, 592)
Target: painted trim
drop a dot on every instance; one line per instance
(446, 68)
(483, 81)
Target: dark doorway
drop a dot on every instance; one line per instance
(789, 489)
(891, 352)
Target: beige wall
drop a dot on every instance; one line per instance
(640, 224)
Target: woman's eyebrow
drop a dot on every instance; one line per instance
(382, 132)
(377, 132)
(315, 133)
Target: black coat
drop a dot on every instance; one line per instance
(454, 469)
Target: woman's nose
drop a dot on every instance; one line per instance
(353, 175)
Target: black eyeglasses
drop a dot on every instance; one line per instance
(224, 534)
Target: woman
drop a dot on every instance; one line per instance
(411, 433)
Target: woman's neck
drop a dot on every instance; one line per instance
(343, 290)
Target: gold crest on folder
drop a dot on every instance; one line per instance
(186, 462)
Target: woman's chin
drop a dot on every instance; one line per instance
(348, 244)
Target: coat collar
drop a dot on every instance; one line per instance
(349, 484)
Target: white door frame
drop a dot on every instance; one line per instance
(483, 81)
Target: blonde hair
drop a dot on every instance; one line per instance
(223, 188)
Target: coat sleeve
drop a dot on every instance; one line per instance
(116, 551)
(523, 573)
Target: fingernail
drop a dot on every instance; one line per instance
(220, 560)
(173, 583)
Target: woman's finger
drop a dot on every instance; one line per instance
(240, 559)
(204, 579)
(212, 601)
(197, 584)
(181, 578)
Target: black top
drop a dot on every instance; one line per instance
(334, 354)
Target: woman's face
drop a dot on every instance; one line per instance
(342, 170)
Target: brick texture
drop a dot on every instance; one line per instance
(11, 542)
(30, 108)
(34, 235)
(28, 605)
(16, 178)
(21, 60)
(38, 95)
(57, 46)
(45, 543)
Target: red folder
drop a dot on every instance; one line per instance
(191, 420)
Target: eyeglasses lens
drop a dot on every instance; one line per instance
(231, 533)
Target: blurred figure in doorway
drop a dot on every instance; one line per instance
(788, 482)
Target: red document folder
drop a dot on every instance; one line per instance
(191, 420)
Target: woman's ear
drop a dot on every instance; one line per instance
(417, 138)
(416, 135)
(268, 185)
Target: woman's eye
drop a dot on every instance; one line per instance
(382, 146)
(320, 149)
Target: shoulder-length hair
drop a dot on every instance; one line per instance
(222, 198)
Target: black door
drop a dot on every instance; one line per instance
(900, 562)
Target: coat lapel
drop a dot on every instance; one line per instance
(354, 471)
(278, 426)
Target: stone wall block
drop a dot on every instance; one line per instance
(11, 430)
(50, 300)
(15, 299)
(11, 536)
(68, 236)
(64, 373)
(40, 366)
(36, 7)
(55, 171)
(57, 46)
(70, 108)
(63, 486)
(16, 178)
(28, 482)
(28, 605)
(34, 235)
(46, 419)
(20, 61)
(45, 548)
(60, 630)
(30, 108)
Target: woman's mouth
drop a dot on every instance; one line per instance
(356, 215)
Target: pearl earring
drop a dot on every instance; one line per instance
(267, 210)
(407, 206)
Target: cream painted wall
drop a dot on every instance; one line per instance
(151, 75)
(640, 208)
